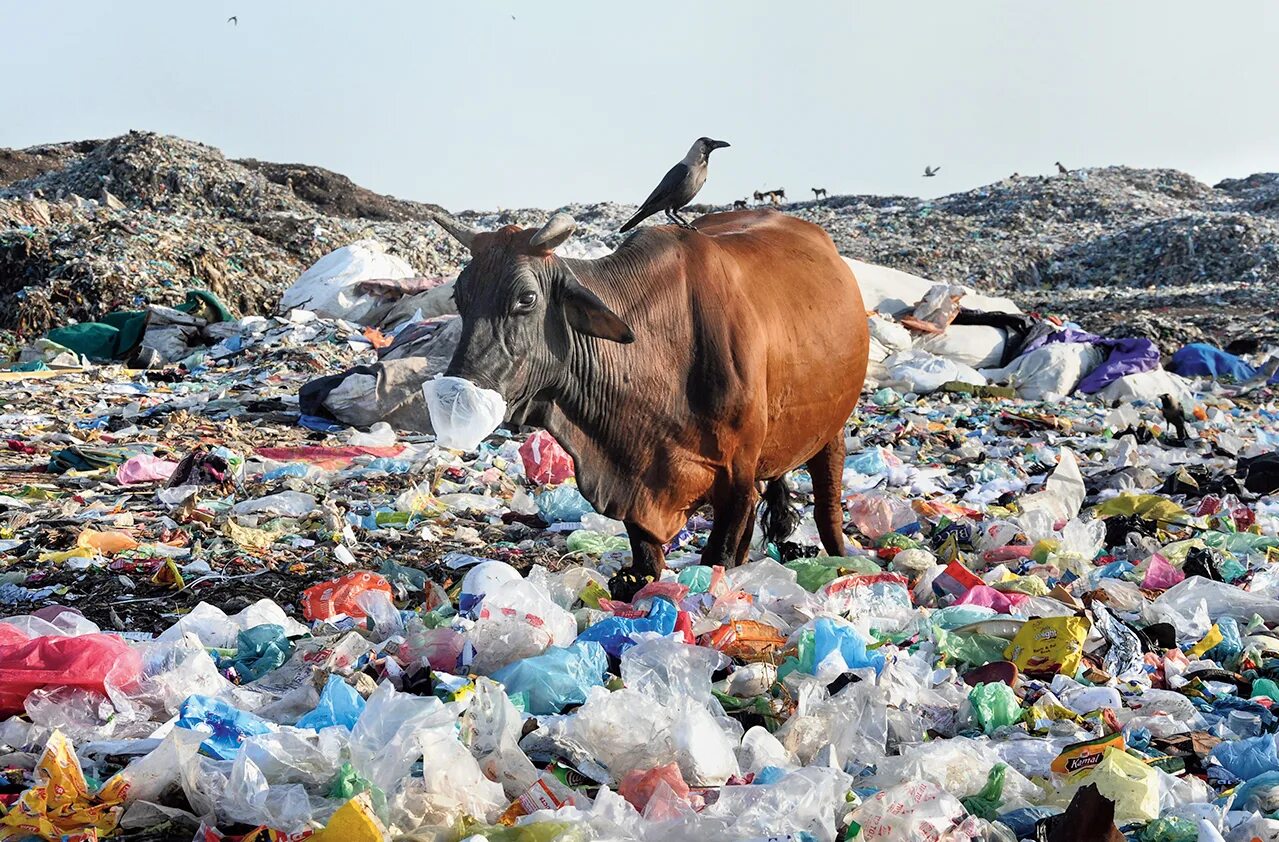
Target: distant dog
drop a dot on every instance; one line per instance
(818, 193)
(739, 204)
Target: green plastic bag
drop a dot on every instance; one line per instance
(1170, 829)
(994, 706)
(976, 650)
(348, 783)
(985, 804)
(596, 543)
(1265, 687)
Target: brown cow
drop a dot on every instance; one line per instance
(681, 369)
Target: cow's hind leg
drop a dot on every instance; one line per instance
(734, 520)
(827, 470)
(647, 563)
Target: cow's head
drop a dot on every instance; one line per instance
(523, 310)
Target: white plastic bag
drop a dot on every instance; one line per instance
(1052, 370)
(922, 372)
(329, 287)
(462, 413)
(915, 810)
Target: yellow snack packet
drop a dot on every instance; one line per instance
(1049, 645)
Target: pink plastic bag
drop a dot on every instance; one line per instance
(639, 788)
(86, 662)
(145, 468)
(545, 462)
(875, 515)
(1161, 575)
(987, 596)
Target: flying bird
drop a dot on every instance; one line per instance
(679, 186)
(1062, 169)
(930, 171)
(233, 20)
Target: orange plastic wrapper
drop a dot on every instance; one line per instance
(60, 806)
(746, 640)
(107, 543)
(338, 596)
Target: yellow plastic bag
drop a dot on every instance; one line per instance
(1211, 639)
(1131, 784)
(1149, 506)
(248, 538)
(354, 821)
(1049, 645)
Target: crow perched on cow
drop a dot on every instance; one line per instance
(679, 186)
(685, 368)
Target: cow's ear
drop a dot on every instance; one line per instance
(587, 314)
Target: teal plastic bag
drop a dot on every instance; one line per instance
(261, 649)
(994, 706)
(696, 578)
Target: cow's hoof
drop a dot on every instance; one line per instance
(626, 583)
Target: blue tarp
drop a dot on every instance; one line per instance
(1200, 359)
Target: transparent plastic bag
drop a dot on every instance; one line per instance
(491, 728)
(462, 414)
(915, 810)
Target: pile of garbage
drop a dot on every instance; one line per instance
(240, 604)
(144, 217)
(250, 592)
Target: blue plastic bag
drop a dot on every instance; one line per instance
(562, 504)
(340, 704)
(1248, 759)
(229, 725)
(1231, 643)
(616, 634)
(830, 637)
(558, 677)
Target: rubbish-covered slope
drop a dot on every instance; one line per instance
(90, 225)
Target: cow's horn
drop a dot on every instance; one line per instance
(556, 230)
(462, 233)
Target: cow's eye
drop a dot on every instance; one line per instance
(526, 299)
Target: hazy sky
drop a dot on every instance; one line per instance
(593, 99)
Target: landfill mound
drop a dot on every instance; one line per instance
(143, 217)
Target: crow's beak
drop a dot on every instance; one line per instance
(719, 144)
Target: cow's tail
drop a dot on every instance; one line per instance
(777, 516)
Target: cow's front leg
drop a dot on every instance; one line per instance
(734, 521)
(647, 563)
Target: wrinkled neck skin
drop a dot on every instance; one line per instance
(592, 406)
